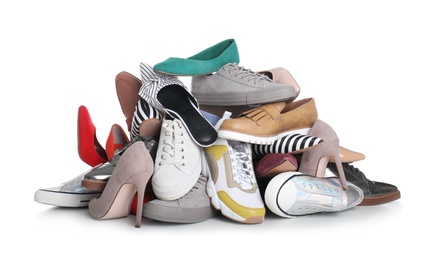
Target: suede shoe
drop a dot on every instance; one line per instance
(204, 62)
(193, 207)
(97, 177)
(282, 76)
(375, 193)
(267, 123)
(234, 85)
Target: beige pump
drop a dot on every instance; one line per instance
(314, 161)
(130, 176)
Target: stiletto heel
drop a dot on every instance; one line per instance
(89, 149)
(130, 177)
(314, 161)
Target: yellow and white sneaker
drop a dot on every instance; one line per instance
(232, 185)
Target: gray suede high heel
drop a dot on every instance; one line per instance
(130, 176)
(314, 161)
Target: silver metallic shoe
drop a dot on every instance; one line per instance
(293, 194)
(69, 194)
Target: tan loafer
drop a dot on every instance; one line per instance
(267, 123)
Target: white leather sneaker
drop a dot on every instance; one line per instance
(177, 163)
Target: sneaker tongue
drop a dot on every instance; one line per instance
(243, 166)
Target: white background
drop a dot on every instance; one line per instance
(366, 63)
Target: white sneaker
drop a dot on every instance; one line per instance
(177, 163)
(293, 194)
(232, 185)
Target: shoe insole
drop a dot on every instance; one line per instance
(177, 103)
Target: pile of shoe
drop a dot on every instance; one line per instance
(236, 142)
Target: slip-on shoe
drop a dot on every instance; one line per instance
(204, 62)
(267, 123)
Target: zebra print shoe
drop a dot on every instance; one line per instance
(146, 121)
(293, 144)
(170, 96)
(152, 83)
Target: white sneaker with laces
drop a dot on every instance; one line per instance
(232, 185)
(177, 162)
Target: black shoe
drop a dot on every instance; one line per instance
(375, 193)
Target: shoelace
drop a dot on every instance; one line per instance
(242, 166)
(243, 73)
(337, 200)
(172, 150)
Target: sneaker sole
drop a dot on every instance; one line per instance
(177, 215)
(227, 211)
(377, 200)
(62, 199)
(229, 135)
(242, 99)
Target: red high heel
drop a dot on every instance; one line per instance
(117, 139)
(89, 149)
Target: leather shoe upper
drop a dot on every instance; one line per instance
(273, 119)
(358, 178)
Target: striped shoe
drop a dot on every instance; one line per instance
(293, 143)
(146, 120)
(152, 83)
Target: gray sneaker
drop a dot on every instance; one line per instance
(234, 85)
(191, 208)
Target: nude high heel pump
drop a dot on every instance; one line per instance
(130, 177)
(314, 161)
